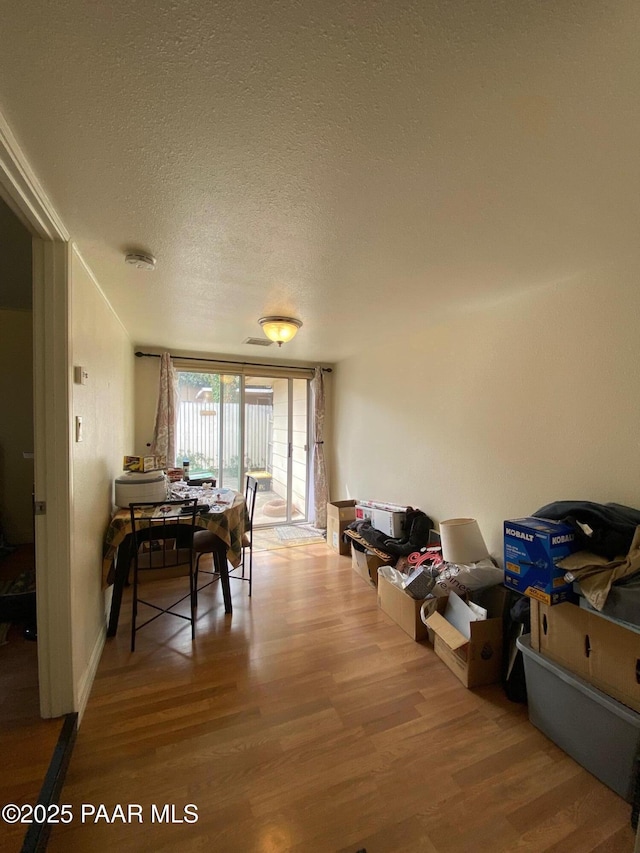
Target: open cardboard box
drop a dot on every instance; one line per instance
(339, 515)
(477, 660)
(366, 565)
(402, 608)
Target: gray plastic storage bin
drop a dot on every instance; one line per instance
(596, 730)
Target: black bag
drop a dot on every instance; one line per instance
(604, 529)
(517, 623)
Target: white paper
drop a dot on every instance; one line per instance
(481, 612)
(460, 615)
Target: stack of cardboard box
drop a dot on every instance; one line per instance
(474, 656)
(475, 659)
(582, 669)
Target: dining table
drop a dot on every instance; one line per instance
(223, 511)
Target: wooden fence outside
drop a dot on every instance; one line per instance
(198, 436)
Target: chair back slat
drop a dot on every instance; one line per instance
(250, 491)
(163, 533)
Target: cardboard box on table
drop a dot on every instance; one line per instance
(366, 564)
(532, 546)
(603, 653)
(478, 660)
(339, 515)
(402, 608)
(144, 464)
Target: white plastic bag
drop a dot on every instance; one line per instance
(394, 576)
(466, 578)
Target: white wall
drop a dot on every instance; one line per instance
(496, 412)
(147, 377)
(16, 425)
(100, 344)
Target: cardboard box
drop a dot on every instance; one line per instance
(477, 660)
(532, 547)
(603, 653)
(599, 732)
(366, 565)
(339, 515)
(143, 464)
(402, 608)
(388, 522)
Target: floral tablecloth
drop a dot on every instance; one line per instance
(227, 518)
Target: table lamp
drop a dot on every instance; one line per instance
(462, 542)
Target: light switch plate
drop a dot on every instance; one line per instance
(80, 375)
(78, 428)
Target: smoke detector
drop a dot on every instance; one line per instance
(141, 260)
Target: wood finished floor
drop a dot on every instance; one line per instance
(27, 742)
(308, 721)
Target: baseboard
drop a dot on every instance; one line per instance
(86, 682)
(37, 837)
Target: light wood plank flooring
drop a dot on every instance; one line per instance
(27, 742)
(308, 721)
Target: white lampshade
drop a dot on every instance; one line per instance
(462, 541)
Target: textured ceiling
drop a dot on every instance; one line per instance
(364, 166)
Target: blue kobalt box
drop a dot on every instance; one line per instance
(532, 547)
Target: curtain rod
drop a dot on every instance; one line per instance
(225, 361)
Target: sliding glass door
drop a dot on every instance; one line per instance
(230, 472)
(230, 425)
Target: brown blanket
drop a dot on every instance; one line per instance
(596, 575)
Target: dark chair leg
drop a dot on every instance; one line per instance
(220, 560)
(193, 591)
(196, 579)
(250, 567)
(123, 563)
(134, 612)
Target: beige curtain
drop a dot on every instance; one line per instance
(164, 434)
(320, 485)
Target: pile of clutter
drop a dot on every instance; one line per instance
(450, 592)
(425, 563)
(459, 563)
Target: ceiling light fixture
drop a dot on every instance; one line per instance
(141, 260)
(280, 329)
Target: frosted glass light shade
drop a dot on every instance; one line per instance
(280, 329)
(462, 541)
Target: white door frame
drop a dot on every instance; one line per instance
(21, 190)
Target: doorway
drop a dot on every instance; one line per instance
(51, 482)
(17, 539)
